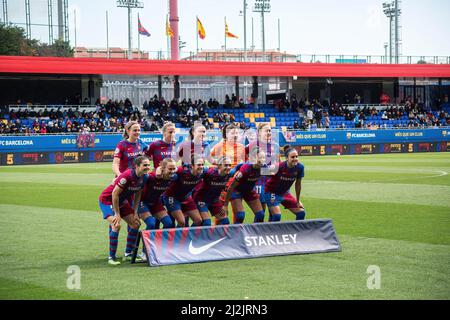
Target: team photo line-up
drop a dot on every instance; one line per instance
(181, 188)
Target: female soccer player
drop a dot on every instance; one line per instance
(229, 146)
(127, 149)
(207, 193)
(151, 207)
(116, 203)
(242, 185)
(177, 198)
(277, 186)
(195, 145)
(266, 144)
(165, 148)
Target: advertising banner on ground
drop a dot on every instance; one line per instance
(239, 241)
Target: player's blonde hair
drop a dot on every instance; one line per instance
(166, 161)
(167, 125)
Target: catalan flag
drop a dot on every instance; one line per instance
(201, 30)
(169, 31)
(229, 34)
(142, 30)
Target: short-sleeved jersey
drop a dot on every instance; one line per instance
(129, 182)
(127, 151)
(183, 183)
(212, 184)
(153, 188)
(247, 176)
(282, 181)
(160, 150)
(235, 151)
(187, 148)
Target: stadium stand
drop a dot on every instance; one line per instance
(113, 115)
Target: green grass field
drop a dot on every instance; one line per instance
(392, 211)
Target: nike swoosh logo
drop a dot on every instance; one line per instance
(202, 249)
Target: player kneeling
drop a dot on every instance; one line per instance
(116, 202)
(177, 198)
(207, 193)
(277, 187)
(242, 185)
(151, 207)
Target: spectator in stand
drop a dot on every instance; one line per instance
(384, 99)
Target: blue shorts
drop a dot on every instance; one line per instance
(173, 204)
(259, 189)
(125, 209)
(287, 200)
(150, 207)
(106, 210)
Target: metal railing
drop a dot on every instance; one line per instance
(272, 56)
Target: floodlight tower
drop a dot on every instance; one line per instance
(392, 11)
(129, 4)
(262, 6)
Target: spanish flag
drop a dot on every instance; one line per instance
(169, 31)
(229, 34)
(201, 30)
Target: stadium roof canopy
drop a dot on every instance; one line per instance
(56, 65)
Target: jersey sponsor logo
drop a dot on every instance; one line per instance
(199, 250)
(274, 240)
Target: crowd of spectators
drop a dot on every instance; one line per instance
(107, 117)
(111, 116)
(187, 111)
(320, 114)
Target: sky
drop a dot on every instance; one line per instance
(348, 27)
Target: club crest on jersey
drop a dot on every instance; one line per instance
(117, 151)
(123, 181)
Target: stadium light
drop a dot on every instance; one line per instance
(262, 6)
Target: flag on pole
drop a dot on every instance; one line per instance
(169, 31)
(201, 30)
(142, 30)
(229, 34)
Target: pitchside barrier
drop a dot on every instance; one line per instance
(98, 147)
(237, 241)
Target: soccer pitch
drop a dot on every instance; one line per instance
(390, 211)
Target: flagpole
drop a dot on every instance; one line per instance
(107, 35)
(225, 33)
(139, 39)
(196, 23)
(168, 37)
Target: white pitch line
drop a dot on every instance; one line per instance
(442, 173)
